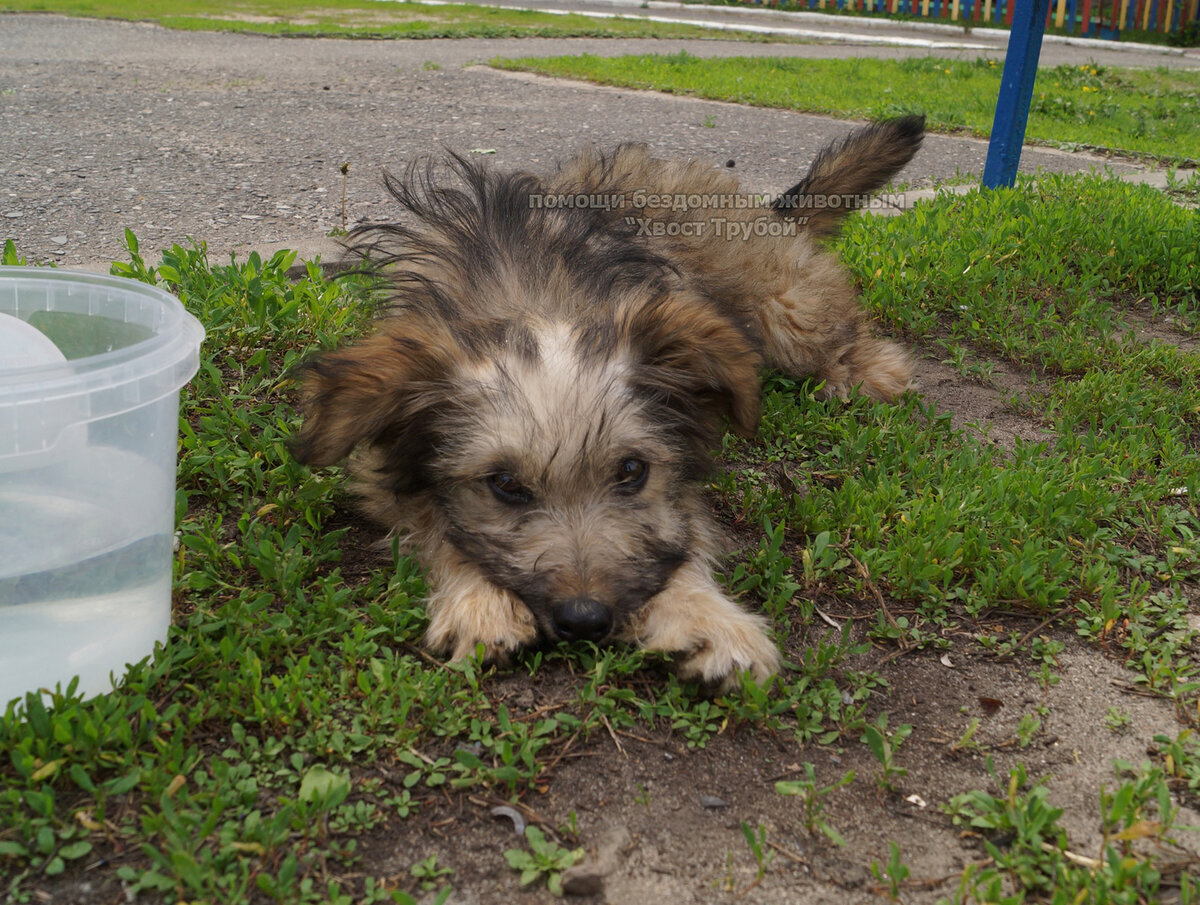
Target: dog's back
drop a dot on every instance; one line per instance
(758, 258)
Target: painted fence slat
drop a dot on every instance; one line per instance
(1106, 18)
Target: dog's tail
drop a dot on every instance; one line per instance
(846, 172)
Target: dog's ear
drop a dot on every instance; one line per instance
(370, 390)
(699, 362)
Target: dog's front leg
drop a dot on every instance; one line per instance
(465, 609)
(716, 638)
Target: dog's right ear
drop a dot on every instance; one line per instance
(369, 390)
(697, 361)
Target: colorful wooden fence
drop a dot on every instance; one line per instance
(1097, 18)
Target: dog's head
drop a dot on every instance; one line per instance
(549, 414)
(560, 460)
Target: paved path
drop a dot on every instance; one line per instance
(237, 140)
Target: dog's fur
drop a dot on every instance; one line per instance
(534, 411)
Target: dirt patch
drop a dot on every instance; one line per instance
(683, 809)
(981, 405)
(1167, 329)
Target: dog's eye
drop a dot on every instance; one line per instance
(508, 489)
(631, 475)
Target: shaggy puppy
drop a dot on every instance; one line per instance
(534, 412)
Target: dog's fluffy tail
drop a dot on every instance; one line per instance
(846, 172)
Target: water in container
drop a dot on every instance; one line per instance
(90, 372)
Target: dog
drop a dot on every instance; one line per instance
(559, 357)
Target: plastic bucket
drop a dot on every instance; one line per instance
(90, 372)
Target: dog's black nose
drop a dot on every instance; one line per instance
(582, 619)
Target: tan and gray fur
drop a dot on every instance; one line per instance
(534, 411)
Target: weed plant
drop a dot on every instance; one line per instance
(1028, 854)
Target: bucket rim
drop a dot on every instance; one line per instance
(174, 344)
(39, 404)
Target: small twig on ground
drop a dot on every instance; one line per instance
(1082, 860)
(424, 655)
(534, 714)
(1137, 690)
(562, 752)
(928, 883)
(875, 592)
(616, 741)
(894, 655)
(1037, 628)
(753, 883)
(790, 771)
(829, 619)
(787, 853)
(665, 747)
(531, 815)
(418, 753)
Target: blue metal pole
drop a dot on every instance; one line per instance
(1016, 91)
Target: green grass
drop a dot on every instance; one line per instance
(1137, 112)
(292, 717)
(363, 19)
(1048, 279)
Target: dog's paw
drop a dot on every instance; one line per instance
(489, 616)
(834, 389)
(720, 660)
(715, 640)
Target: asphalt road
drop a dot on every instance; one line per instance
(238, 140)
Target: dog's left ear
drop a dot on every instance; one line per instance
(372, 389)
(698, 361)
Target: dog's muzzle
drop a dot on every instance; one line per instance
(582, 619)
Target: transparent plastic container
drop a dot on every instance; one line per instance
(90, 372)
